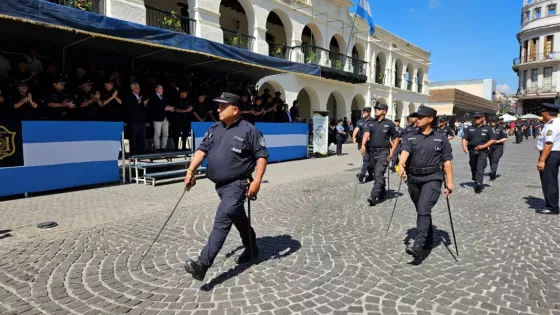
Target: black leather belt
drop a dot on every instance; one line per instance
(419, 171)
(378, 148)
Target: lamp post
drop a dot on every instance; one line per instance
(395, 109)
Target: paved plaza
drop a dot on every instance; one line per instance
(321, 252)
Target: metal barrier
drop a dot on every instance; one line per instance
(169, 20)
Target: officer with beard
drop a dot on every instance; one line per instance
(357, 137)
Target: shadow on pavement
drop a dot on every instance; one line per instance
(441, 237)
(534, 202)
(270, 247)
(471, 185)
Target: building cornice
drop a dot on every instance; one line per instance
(342, 3)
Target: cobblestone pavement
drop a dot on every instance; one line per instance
(321, 251)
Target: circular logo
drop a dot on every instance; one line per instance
(2, 144)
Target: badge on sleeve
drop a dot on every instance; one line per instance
(262, 142)
(549, 133)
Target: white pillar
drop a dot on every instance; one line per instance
(132, 11)
(260, 45)
(208, 24)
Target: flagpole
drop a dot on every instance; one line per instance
(350, 38)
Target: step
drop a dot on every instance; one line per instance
(168, 176)
(162, 155)
(161, 164)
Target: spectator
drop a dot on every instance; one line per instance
(110, 102)
(199, 111)
(88, 103)
(160, 109)
(294, 111)
(135, 105)
(247, 109)
(285, 116)
(34, 64)
(270, 109)
(24, 106)
(340, 136)
(258, 110)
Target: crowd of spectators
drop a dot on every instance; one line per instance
(155, 106)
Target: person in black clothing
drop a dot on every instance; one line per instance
(400, 131)
(270, 109)
(247, 109)
(234, 149)
(378, 140)
(423, 157)
(58, 100)
(476, 141)
(25, 108)
(88, 103)
(445, 129)
(135, 105)
(357, 135)
(518, 133)
(110, 102)
(159, 110)
(181, 119)
(294, 111)
(6, 109)
(497, 149)
(258, 110)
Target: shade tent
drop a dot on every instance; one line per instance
(66, 26)
(508, 118)
(529, 116)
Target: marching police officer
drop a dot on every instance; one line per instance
(423, 156)
(548, 145)
(497, 149)
(411, 127)
(377, 137)
(234, 148)
(445, 129)
(400, 131)
(357, 137)
(476, 141)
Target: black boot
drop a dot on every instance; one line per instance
(197, 269)
(360, 177)
(246, 255)
(372, 201)
(478, 188)
(493, 176)
(414, 250)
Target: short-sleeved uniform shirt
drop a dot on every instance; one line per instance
(58, 113)
(400, 131)
(25, 111)
(500, 133)
(447, 131)
(430, 150)
(410, 129)
(232, 151)
(361, 125)
(550, 134)
(476, 136)
(380, 133)
(90, 112)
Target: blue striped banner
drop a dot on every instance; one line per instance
(70, 131)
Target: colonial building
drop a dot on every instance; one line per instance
(356, 70)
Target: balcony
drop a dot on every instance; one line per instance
(277, 50)
(420, 88)
(238, 39)
(169, 20)
(409, 85)
(549, 56)
(537, 89)
(359, 66)
(95, 6)
(398, 82)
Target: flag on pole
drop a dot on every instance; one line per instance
(363, 10)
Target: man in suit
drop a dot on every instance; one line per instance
(159, 110)
(135, 105)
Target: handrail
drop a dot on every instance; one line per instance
(538, 88)
(89, 5)
(553, 55)
(169, 20)
(238, 39)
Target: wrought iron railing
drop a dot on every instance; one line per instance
(409, 85)
(380, 78)
(94, 6)
(169, 20)
(238, 39)
(312, 54)
(398, 82)
(277, 50)
(552, 55)
(337, 60)
(538, 88)
(358, 65)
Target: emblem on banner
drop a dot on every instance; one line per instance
(320, 136)
(7, 142)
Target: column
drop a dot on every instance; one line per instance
(260, 45)
(128, 10)
(296, 54)
(207, 24)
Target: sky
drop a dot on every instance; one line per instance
(468, 39)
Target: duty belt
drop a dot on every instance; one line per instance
(419, 171)
(378, 148)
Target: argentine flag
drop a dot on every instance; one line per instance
(364, 11)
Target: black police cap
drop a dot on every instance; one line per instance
(86, 81)
(381, 106)
(494, 118)
(443, 118)
(61, 79)
(21, 83)
(478, 115)
(549, 107)
(229, 98)
(367, 109)
(424, 111)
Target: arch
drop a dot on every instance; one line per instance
(274, 87)
(398, 68)
(313, 37)
(336, 49)
(232, 11)
(380, 101)
(409, 76)
(361, 51)
(341, 43)
(380, 66)
(308, 100)
(399, 110)
(279, 30)
(336, 105)
(411, 108)
(358, 103)
(420, 80)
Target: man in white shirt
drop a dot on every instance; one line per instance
(548, 145)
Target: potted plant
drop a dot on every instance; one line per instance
(311, 58)
(171, 22)
(80, 4)
(278, 52)
(337, 65)
(380, 77)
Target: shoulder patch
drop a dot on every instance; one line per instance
(262, 142)
(549, 133)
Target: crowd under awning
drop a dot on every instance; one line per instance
(65, 26)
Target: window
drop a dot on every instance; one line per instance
(537, 13)
(548, 47)
(524, 79)
(547, 84)
(527, 17)
(534, 78)
(552, 9)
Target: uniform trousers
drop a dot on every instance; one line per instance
(378, 162)
(230, 211)
(424, 195)
(494, 154)
(478, 162)
(366, 168)
(549, 180)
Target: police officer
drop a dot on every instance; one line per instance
(497, 149)
(357, 137)
(234, 148)
(181, 119)
(411, 127)
(400, 131)
(548, 145)
(476, 141)
(377, 138)
(59, 103)
(445, 129)
(87, 101)
(423, 156)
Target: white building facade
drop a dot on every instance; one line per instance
(538, 64)
(361, 70)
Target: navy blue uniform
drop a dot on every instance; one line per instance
(232, 154)
(380, 134)
(362, 125)
(476, 136)
(496, 150)
(427, 153)
(400, 131)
